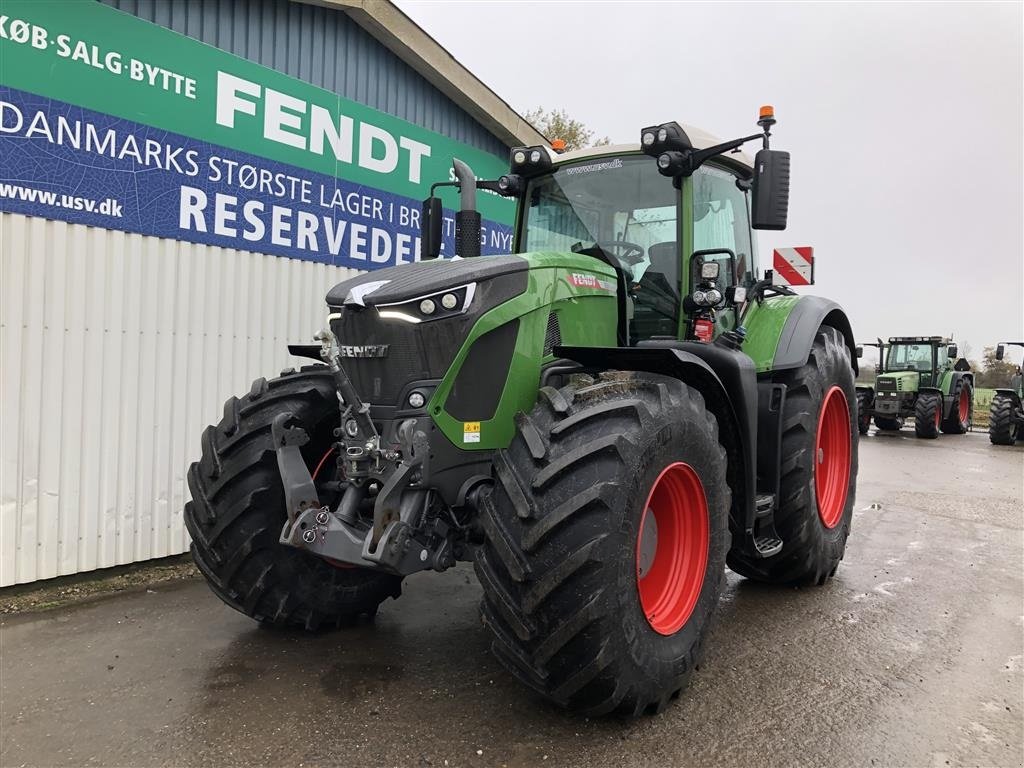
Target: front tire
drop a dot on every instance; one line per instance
(928, 415)
(237, 512)
(819, 469)
(889, 423)
(585, 603)
(1002, 426)
(960, 414)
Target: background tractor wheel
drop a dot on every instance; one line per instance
(606, 536)
(1002, 427)
(960, 415)
(819, 469)
(238, 510)
(889, 424)
(863, 412)
(928, 415)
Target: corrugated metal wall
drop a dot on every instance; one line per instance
(116, 350)
(321, 46)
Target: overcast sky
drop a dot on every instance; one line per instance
(904, 122)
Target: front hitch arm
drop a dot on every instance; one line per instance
(299, 491)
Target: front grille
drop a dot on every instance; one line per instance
(888, 385)
(415, 352)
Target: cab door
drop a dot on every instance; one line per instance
(720, 215)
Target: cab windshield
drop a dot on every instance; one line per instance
(617, 209)
(909, 357)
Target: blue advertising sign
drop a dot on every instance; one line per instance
(65, 162)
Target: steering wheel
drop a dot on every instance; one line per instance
(631, 252)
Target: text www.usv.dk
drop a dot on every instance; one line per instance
(106, 207)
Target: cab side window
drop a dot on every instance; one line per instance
(721, 220)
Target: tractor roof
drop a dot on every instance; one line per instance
(699, 138)
(919, 340)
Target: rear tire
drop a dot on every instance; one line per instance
(570, 613)
(961, 412)
(238, 510)
(813, 518)
(928, 415)
(863, 412)
(1002, 427)
(889, 424)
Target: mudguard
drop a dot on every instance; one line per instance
(727, 381)
(1011, 394)
(797, 336)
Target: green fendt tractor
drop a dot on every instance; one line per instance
(1005, 415)
(600, 422)
(917, 376)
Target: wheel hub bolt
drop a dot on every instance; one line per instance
(309, 536)
(321, 517)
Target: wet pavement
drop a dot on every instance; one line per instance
(912, 656)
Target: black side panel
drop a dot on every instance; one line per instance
(809, 314)
(481, 380)
(725, 378)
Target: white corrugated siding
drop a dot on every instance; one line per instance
(116, 350)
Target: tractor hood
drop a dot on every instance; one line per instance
(393, 285)
(898, 381)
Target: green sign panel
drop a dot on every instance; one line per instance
(227, 142)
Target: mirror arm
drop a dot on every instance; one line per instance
(697, 158)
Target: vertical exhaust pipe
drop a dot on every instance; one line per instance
(467, 220)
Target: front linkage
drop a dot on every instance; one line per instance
(395, 542)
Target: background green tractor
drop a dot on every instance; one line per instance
(918, 376)
(1006, 416)
(599, 422)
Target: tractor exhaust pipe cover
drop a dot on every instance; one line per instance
(467, 220)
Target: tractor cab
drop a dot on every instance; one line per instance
(671, 216)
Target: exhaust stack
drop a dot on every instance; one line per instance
(467, 220)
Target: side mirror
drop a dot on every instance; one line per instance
(859, 350)
(430, 228)
(770, 189)
(1000, 351)
(951, 351)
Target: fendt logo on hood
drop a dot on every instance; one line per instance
(367, 350)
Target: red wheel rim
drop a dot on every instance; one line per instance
(832, 457)
(938, 414)
(965, 405)
(672, 548)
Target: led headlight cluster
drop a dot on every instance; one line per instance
(707, 297)
(668, 143)
(529, 161)
(434, 306)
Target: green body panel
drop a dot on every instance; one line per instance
(906, 381)
(946, 382)
(764, 323)
(587, 316)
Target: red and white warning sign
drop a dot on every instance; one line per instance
(793, 266)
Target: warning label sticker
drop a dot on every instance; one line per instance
(471, 432)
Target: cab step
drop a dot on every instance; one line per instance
(766, 542)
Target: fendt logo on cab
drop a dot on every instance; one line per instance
(581, 280)
(367, 350)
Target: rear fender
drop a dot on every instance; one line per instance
(729, 388)
(797, 337)
(949, 387)
(1010, 394)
